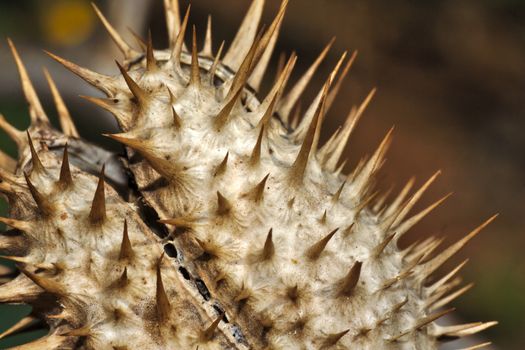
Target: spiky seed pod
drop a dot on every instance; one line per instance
(272, 247)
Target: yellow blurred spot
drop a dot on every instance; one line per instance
(67, 22)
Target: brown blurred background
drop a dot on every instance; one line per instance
(450, 77)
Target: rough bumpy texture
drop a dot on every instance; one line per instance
(271, 246)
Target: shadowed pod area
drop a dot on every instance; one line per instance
(436, 151)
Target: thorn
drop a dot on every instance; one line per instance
(295, 117)
(135, 89)
(102, 82)
(332, 339)
(109, 105)
(195, 78)
(349, 126)
(207, 334)
(329, 147)
(16, 259)
(126, 250)
(224, 115)
(213, 68)
(51, 341)
(255, 158)
(19, 290)
(436, 285)
(222, 167)
(270, 33)
(258, 191)
(349, 282)
(64, 117)
(320, 99)
(22, 325)
(290, 100)
(444, 301)
(171, 10)
(78, 332)
(223, 206)
(35, 107)
(46, 284)
(123, 46)
(409, 223)
(314, 252)
(177, 121)
(431, 318)
(413, 200)
(165, 168)
(337, 195)
(163, 304)
(395, 205)
(179, 41)
(420, 324)
(241, 77)
(65, 180)
(364, 203)
(186, 222)
(337, 86)
(462, 330)
(14, 134)
(245, 36)
(392, 312)
(322, 220)
(479, 346)
(37, 164)
(97, 214)
(364, 177)
(260, 68)
(381, 247)
(208, 47)
(45, 207)
(151, 62)
(269, 249)
(270, 102)
(299, 166)
(24, 226)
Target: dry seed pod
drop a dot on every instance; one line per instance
(273, 247)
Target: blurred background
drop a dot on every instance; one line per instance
(450, 76)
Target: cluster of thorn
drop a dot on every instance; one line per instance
(273, 247)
